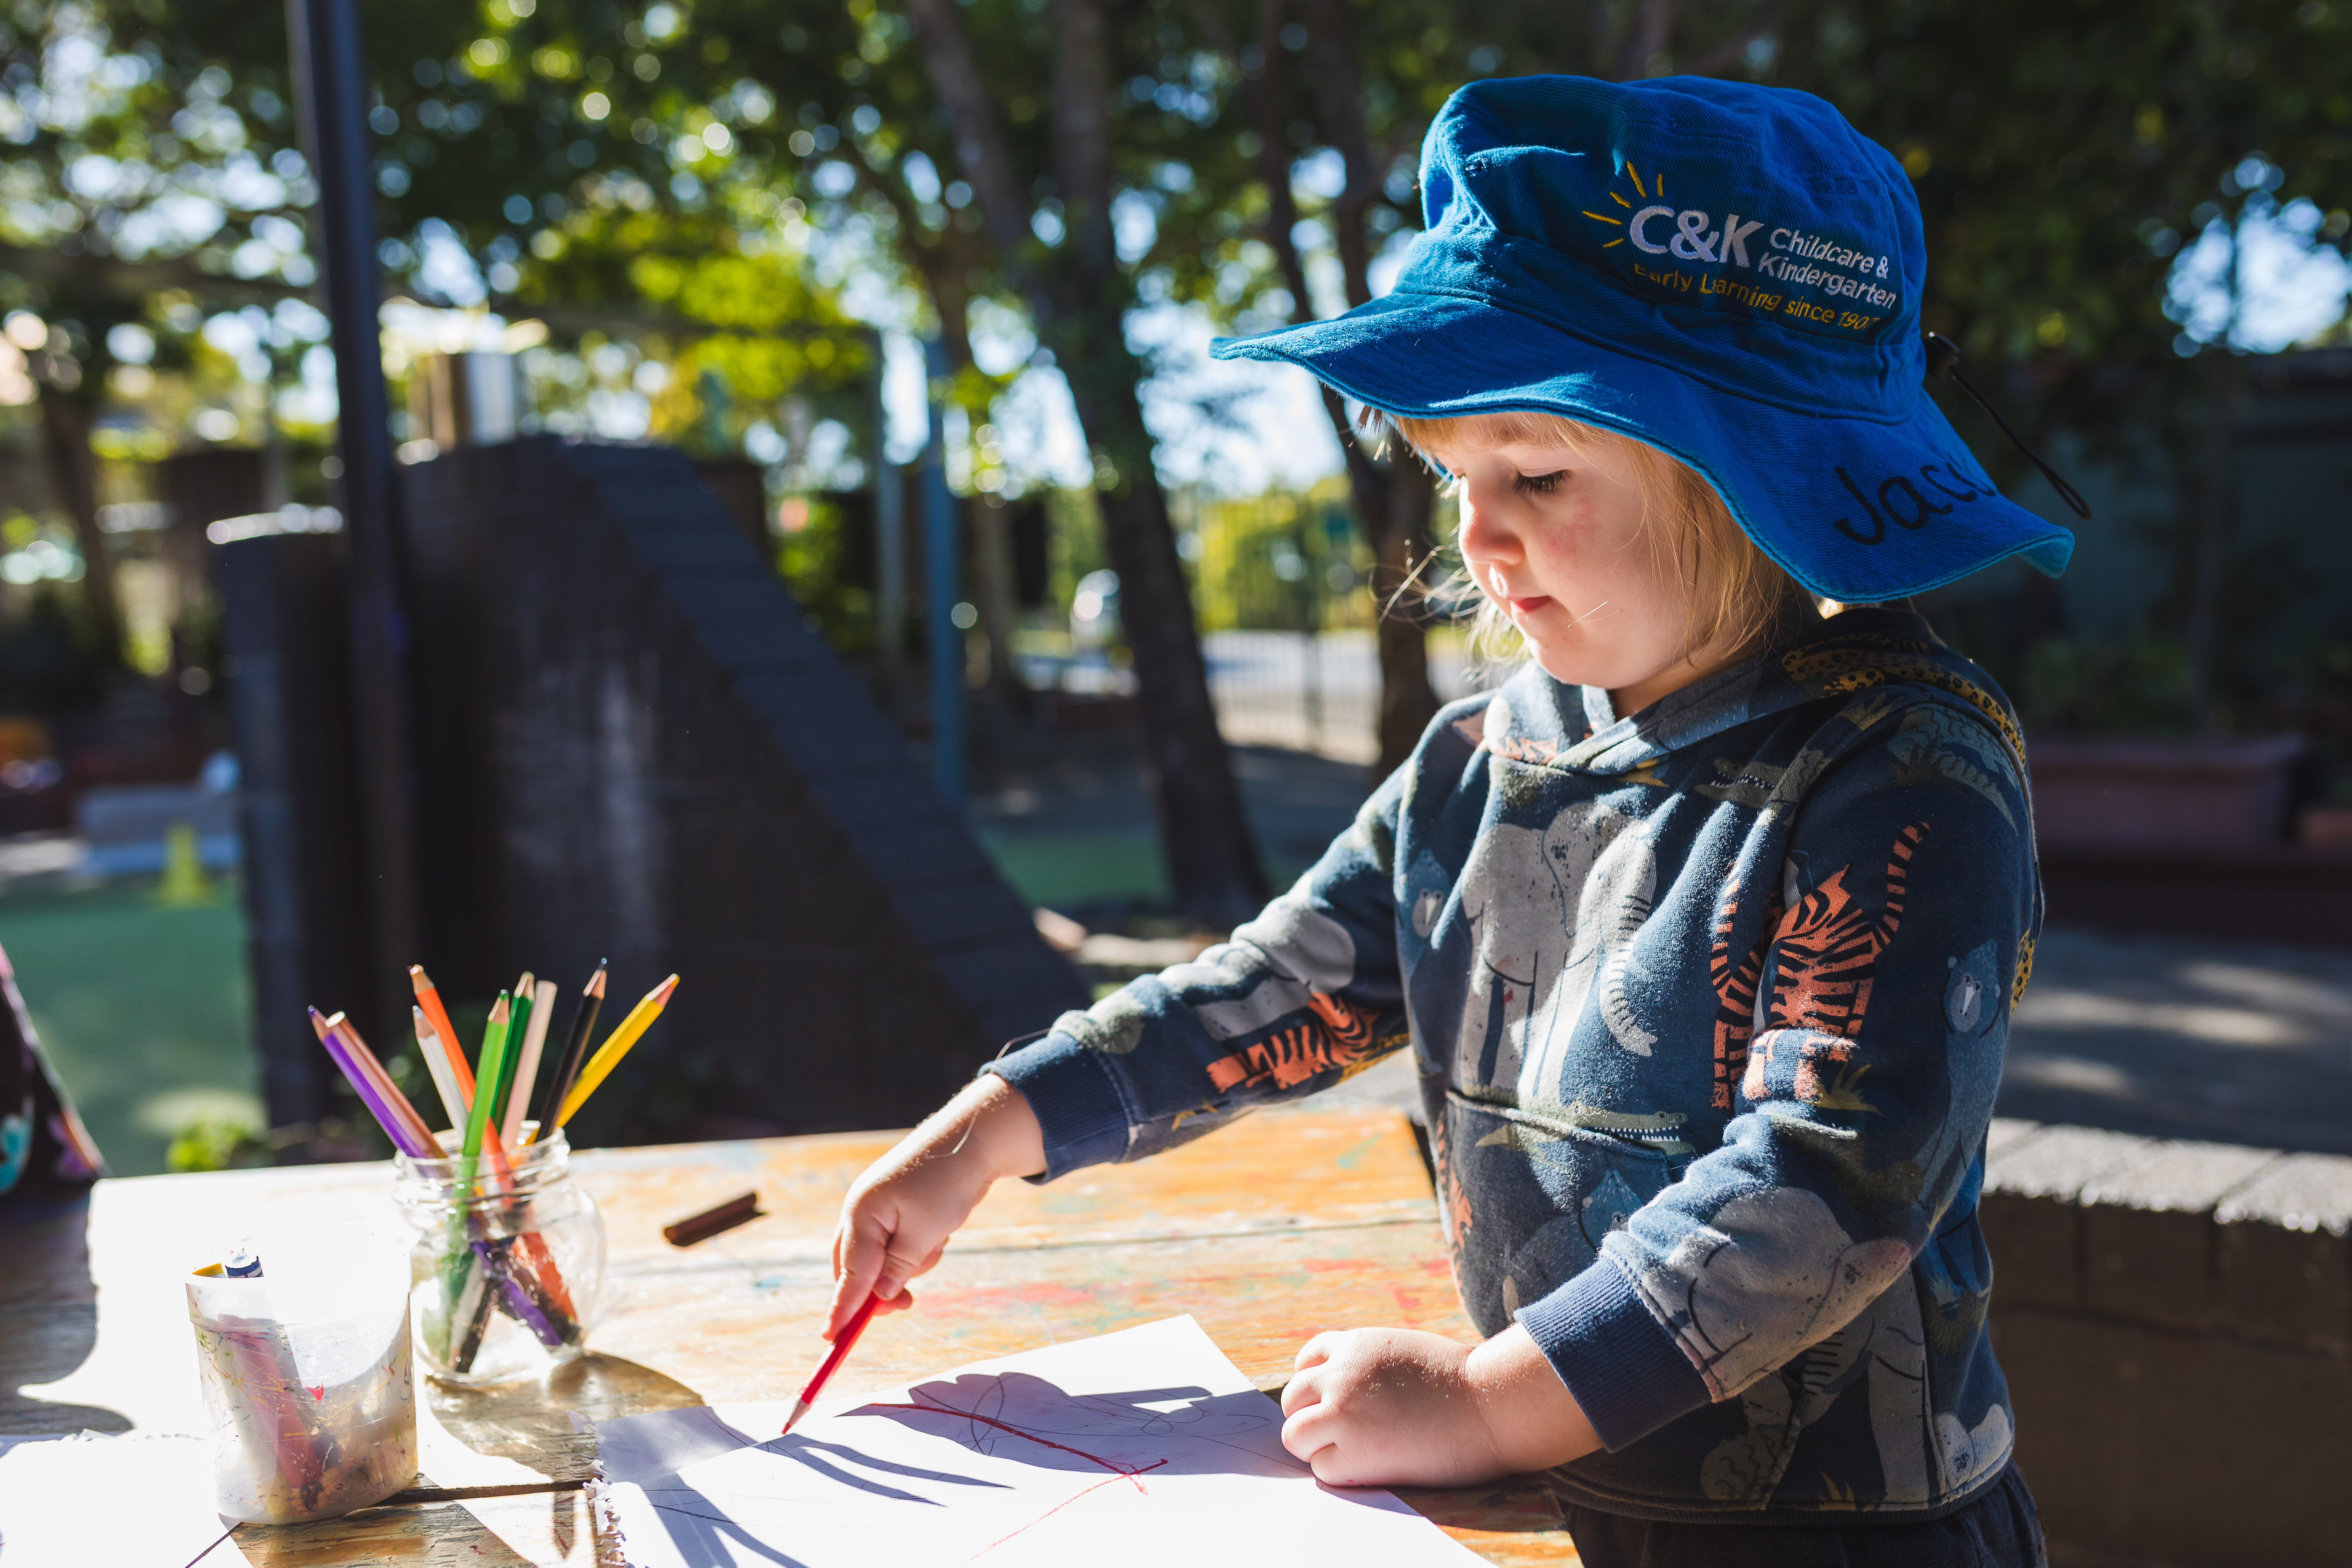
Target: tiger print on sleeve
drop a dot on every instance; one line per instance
(1823, 959)
(1332, 1035)
(1735, 993)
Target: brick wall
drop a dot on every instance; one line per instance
(2176, 1322)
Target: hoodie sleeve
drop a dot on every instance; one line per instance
(1897, 932)
(1295, 1001)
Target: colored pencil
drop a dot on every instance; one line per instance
(371, 1094)
(384, 1101)
(477, 1120)
(575, 1048)
(428, 998)
(526, 1074)
(617, 1044)
(341, 1024)
(437, 1054)
(461, 1261)
(841, 1344)
(517, 1025)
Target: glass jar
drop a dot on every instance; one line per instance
(506, 1260)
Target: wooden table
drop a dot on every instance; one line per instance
(1267, 1231)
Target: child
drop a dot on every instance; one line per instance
(1703, 929)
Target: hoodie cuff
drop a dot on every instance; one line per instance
(1075, 1099)
(1629, 1375)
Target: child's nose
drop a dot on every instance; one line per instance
(1486, 535)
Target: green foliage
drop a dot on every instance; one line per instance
(1281, 561)
(828, 563)
(216, 1144)
(1074, 543)
(2062, 152)
(2080, 686)
(53, 657)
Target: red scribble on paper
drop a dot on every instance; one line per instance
(1066, 1502)
(1118, 1472)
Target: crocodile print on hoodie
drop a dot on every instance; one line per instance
(1708, 1006)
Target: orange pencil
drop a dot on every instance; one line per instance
(841, 1344)
(429, 999)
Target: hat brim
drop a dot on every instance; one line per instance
(1860, 509)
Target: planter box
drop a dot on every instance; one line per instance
(2164, 795)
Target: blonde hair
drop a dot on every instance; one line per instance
(1735, 596)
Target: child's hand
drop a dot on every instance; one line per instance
(1399, 1407)
(897, 1216)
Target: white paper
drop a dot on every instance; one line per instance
(1138, 1447)
(140, 1498)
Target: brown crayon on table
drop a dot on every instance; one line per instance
(702, 1226)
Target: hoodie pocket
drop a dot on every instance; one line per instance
(1534, 1194)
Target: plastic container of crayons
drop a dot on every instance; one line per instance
(305, 1375)
(505, 1259)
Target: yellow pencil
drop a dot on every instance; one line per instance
(617, 1046)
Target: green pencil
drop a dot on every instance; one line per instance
(460, 1258)
(492, 1070)
(517, 1025)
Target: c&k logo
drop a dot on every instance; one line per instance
(1790, 256)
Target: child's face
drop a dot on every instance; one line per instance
(1554, 534)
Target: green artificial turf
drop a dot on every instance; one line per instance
(1067, 870)
(1060, 870)
(146, 1011)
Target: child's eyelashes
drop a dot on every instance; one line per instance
(1539, 484)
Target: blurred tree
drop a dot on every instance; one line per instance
(132, 165)
(1077, 162)
(1063, 255)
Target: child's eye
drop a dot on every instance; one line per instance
(1541, 484)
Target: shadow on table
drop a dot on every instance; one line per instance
(1515, 1505)
(383, 1537)
(1019, 1415)
(531, 1422)
(49, 1313)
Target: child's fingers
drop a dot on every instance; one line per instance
(898, 1265)
(863, 1253)
(1306, 1435)
(1301, 1393)
(1314, 1352)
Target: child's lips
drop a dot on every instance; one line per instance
(1530, 607)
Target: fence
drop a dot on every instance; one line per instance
(1288, 624)
(1318, 691)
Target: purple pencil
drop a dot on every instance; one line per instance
(394, 1127)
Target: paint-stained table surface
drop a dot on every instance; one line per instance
(1266, 1231)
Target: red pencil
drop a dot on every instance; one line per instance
(846, 1338)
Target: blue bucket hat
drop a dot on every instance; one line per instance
(1727, 272)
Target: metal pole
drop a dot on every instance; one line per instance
(330, 90)
(890, 550)
(942, 578)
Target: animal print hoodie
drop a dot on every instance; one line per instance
(1709, 1005)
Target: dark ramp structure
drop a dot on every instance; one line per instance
(630, 745)
(285, 644)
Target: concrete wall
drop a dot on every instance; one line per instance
(2176, 1322)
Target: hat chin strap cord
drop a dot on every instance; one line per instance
(1944, 360)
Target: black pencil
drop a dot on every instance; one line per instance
(576, 1049)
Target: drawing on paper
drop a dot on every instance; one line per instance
(1148, 1438)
